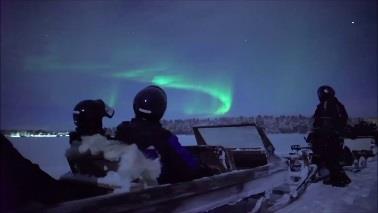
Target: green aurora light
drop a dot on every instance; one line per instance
(113, 98)
(222, 93)
(219, 89)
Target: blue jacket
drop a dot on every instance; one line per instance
(178, 164)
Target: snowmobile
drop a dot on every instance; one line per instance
(362, 143)
(249, 177)
(363, 129)
(354, 151)
(302, 171)
(359, 151)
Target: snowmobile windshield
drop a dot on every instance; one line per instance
(246, 136)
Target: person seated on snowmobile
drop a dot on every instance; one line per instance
(145, 130)
(24, 187)
(87, 116)
(330, 120)
(94, 153)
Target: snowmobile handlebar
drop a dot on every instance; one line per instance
(297, 147)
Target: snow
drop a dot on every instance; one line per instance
(359, 196)
(282, 142)
(187, 140)
(48, 153)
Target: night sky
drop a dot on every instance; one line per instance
(213, 58)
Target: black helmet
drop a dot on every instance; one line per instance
(88, 114)
(325, 93)
(150, 103)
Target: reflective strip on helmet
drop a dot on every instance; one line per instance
(145, 111)
(76, 112)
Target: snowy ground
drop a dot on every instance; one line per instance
(359, 197)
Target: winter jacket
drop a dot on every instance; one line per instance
(330, 119)
(330, 115)
(178, 164)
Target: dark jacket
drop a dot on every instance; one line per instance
(330, 121)
(178, 164)
(331, 115)
(23, 182)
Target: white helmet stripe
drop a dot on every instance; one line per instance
(145, 111)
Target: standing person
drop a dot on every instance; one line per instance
(330, 120)
(146, 132)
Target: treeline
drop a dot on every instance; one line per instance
(272, 124)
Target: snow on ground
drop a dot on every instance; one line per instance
(360, 196)
(282, 142)
(48, 153)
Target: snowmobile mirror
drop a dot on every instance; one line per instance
(109, 111)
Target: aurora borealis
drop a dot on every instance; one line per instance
(220, 92)
(213, 58)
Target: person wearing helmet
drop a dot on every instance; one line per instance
(87, 117)
(95, 154)
(88, 114)
(330, 113)
(146, 132)
(330, 119)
